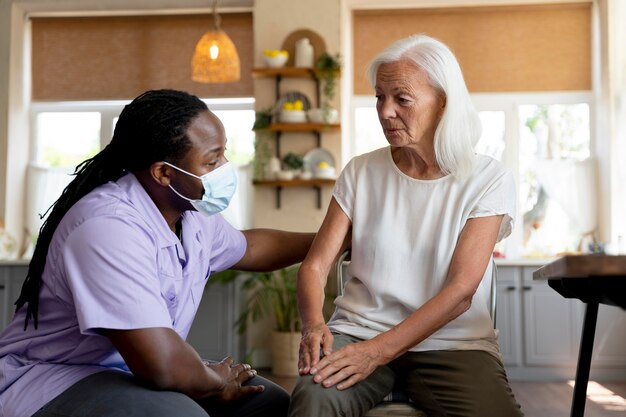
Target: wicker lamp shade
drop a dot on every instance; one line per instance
(215, 59)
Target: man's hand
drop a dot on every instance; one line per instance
(234, 376)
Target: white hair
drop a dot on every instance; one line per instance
(459, 128)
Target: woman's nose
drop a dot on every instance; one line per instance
(386, 109)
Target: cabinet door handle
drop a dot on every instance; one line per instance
(511, 288)
(527, 288)
(1, 287)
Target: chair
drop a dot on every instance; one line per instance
(397, 403)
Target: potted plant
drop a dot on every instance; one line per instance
(327, 68)
(272, 294)
(262, 119)
(293, 162)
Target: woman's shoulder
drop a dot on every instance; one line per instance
(379, 155)
(489, 164)
(488, 171)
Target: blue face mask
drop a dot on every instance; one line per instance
(219, 188)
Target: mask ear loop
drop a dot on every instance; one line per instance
(188, 173)
(182, 170)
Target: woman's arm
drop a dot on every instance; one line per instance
(268, 249)
(332, 237)
(469, 261)
(164, 361)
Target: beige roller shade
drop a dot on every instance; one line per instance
(103, 58)
(505, 48)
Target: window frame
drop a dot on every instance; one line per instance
(110, 109)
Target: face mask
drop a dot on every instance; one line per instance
(219, 187)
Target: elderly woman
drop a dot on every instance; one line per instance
(424, 215)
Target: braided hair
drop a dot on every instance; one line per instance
(152, 128)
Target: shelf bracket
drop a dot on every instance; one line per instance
(279, 190)
(319, 196)
(278, 135)
(277, 85)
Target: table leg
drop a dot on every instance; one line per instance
(584, 360)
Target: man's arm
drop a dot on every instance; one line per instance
(269, 250)
(164, 361)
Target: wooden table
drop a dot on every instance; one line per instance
(594, 279)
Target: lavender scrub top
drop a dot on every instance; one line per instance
(113, 263)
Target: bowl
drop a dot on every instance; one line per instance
(292, 116)
(325, 172)
(323, 116)
(276, 61)
(305, 175)
(285, 175)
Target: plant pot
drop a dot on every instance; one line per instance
(285, 348)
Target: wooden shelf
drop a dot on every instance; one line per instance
(279, 74)
(316, 183)
(313, 182)
(287, 72)
(304, 127)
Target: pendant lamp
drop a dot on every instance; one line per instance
(215, 59)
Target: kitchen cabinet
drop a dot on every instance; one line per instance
(280, 130)
(539, 331)
(12, 274)
(212, 334)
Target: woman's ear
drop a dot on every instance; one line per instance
(442, 105)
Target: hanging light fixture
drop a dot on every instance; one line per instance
(215, 59)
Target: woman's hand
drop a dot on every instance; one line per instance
(349, 365)
(233, 376)
(314, 337)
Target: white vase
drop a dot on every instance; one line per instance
(304, 53)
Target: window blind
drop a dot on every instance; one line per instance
(119, 57)
(499, 48)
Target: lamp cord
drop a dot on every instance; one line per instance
(217, 20)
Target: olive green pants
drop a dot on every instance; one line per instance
(462, 383)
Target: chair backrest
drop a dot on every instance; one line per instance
(342, 274)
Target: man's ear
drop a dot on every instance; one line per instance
(160, 172)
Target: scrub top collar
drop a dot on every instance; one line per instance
(138, 196)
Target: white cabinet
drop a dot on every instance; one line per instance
(12, 276)
(213, 333)
(539, 331)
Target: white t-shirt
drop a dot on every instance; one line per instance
(404, 232)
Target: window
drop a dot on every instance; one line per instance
(544, 140)
(66, 133)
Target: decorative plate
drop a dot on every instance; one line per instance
(313, 158)
(291, 97)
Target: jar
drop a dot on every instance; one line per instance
(304, 53)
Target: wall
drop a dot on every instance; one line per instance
(274, 20)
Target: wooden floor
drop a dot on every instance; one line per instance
(547, 399)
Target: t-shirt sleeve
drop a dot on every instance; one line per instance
(228, 245)
(500, 198)
(114, 278)
(344, 191)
